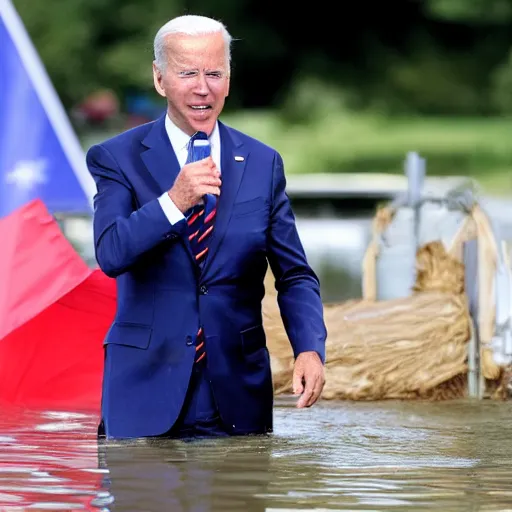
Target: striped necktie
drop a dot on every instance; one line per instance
(200, 222)
(201, 218)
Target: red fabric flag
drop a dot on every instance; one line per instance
(54, 314)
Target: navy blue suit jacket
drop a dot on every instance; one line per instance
(163, 296)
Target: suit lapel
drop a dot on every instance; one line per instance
(161, 162)
(232, 171)
(160, 158)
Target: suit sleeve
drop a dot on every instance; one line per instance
(298, 287)
(122, 233)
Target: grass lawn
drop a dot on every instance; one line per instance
(338, 141)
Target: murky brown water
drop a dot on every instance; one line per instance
(344, 456)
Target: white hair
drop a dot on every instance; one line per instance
(191, 25)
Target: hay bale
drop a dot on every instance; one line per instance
(439, 218)
(401, 348)
(414, 347)
(436, 270)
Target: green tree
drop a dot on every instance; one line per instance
(483, 14)
(433, 57)
(475, 12)
(91, 44)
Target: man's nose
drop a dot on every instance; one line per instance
(202, 85)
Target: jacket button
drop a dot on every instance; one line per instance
(203, 290)
(189, 341)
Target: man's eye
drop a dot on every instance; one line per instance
(214, 74)
(186, 74)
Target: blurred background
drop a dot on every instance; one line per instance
(343, 93)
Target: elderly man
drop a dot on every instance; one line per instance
(189, 213)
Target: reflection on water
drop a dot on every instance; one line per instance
(335, 456)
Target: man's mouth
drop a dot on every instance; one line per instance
(200, 107)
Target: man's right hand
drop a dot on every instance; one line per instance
(194, 181)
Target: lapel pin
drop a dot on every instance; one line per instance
(239, 158)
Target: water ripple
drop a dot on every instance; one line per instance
(334, 456)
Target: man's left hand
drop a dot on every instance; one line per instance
(308, 378)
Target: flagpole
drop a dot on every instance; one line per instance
(48, 97)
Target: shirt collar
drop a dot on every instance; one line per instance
(179, 139)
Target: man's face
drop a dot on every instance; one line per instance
(195, 80)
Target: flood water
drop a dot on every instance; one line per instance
(335, 456)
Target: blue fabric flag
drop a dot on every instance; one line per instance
(40, 156)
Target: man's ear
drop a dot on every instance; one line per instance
(157, 80)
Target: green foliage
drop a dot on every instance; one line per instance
(94, 44)
(447, 57)
(434, 81)
(311, 99)
(341, 141)
(472, 11)
(63, 33)
(502, 87)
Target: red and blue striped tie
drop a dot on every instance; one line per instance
(200, 221)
